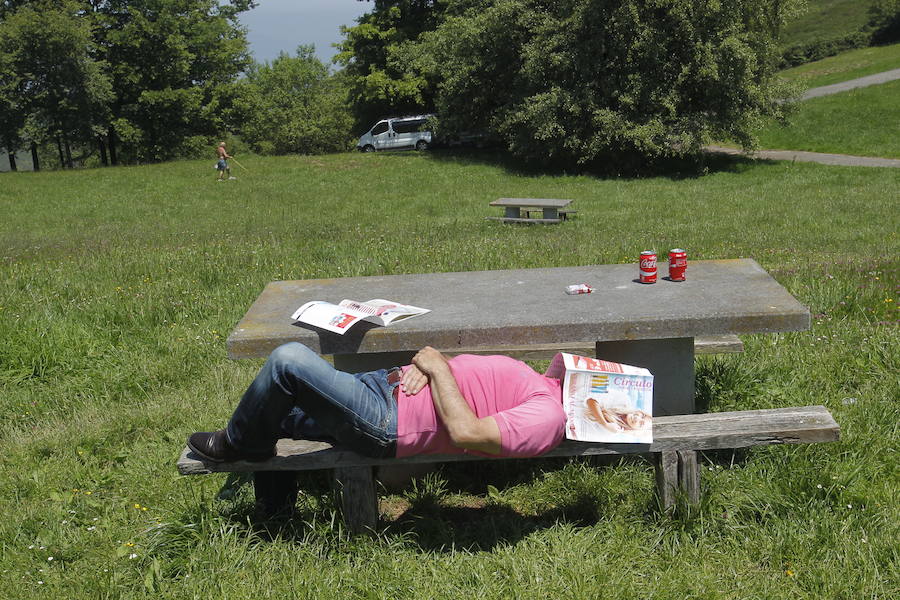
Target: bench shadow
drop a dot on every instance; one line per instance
(482, 525)
(462, 516)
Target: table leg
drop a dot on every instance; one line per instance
(672, 363)
(357, 363)
(551, 213)
(512, 212)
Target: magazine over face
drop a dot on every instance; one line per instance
(605, 401)
(341, 317)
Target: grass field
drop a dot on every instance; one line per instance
(861, 122)
(120, 285)
(846, 66)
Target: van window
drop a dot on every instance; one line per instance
(409, 126)
(380, 128)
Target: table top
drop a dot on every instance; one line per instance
(535, 202)
(493, 309)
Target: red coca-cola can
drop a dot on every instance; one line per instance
(648, 266)
(677, 264)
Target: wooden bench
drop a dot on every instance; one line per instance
(674, 450)
(563, 214)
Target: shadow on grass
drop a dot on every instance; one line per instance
(450, 509)
(484, 525)
(612, 168)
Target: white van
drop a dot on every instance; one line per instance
(396, 133)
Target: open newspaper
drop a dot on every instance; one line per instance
(341, 317)
(605, 401)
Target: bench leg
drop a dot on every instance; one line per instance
(677, 474)
(666, 479)
(359, 503)
(276, 492)
(689, 476)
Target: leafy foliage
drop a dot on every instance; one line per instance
(884, 21)
(49, 74)
(374, 56)
(295, 105)
(149, 74)
(582, 81)
(576, 81)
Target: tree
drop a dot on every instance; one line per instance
(51, 78)
(373, 54)
(171, 63)
(588, 81)
(295, 104)
(12, 115)
(156, 73)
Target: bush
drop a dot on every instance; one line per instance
(295, 105)
(819, 49)
(884, 21)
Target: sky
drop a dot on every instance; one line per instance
(276, 25)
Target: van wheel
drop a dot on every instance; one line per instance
(368, 148)
(421, 145)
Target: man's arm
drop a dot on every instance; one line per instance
(465, 428)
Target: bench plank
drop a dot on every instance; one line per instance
(711, 344)
(523, 220)
(711, 431)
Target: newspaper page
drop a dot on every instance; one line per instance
(606, 401)
(341, 317)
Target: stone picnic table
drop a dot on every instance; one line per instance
(552, 210)
(652, 326)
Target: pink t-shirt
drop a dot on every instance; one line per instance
(526, 406)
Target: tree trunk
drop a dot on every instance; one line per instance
(111, 140)
(62, 157)
(69, 162)
(12, 161)
(34, 157)
(102, 146)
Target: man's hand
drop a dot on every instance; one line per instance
(413, 381)
(429, 361)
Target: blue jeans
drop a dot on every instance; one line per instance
(358, 410)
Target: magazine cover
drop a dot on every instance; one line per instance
(606, 401)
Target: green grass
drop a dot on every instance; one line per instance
(826, 19)
(861, 122)
(846, 66)
(119, 286)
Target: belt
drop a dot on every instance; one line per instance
(393, 378)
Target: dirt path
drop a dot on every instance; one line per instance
(836, 88)
(816, 157)
(819, 157)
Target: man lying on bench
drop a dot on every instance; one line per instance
(486, 405)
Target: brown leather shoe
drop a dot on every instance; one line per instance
(214, 446)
